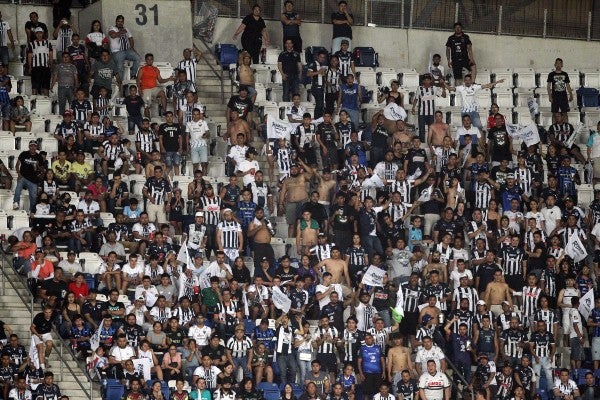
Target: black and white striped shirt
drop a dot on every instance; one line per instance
(212, 210)
(260, 193)
(466, 292)
(411, 295)
(352, 342)
(345, 62)
(229, 234)
(525, 179)
(101, 106)
(157, 189)
(356, 256)
(189, 66)
(326, 347)
(512, 260)
(483, 194)
(426, 99)
(568, 232)
(542, 343)
(322, 251)
(81, 110)
(146, 140)
(184, 316)
(332, 77)
(239, 348)
(283, 155)
(404, 188)
(112, 152)
(548, 316)
(285, 340)
(511, 339)
(397, 211)
(95, 130)
(344, 131)
(530, 299)
(41, 53)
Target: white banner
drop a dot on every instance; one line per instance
(529, 134)
(184, 256)
(279, 129)
(95, 339)
(577, 129)
(33, 354)
(425, 195)
(533, 107)
(280, 300)
(394, 112)
(373, 276)
(575, 249)
(143, 367)
(586, 304)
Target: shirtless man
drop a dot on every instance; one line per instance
(338, 269)
(246, 74)
(236, 126)
(430, 309)
(307, 233)
(155, 161)
(325, 187)
(402, 134)
(261, 233)
(436, 265)
(496, 292)
(437, 131)
(398, 359)
(293, 194)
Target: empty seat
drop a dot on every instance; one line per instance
(20, 218)
(385, 76)
(503, 73)
(522, 96)
(262, 73)
(524, 78)
(366, 76)
(543, 99)
(410, 78)
(42, 105)
(183, 181)
(484, 97)
(272, 55)
(504, 97)
(591, 118)
(591, 78)
(574, 77)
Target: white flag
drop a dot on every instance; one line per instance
(143, 367)
(373, 276)
(513, 130)
(280, 300)
(33, 354)
(425, 195)
(95, 339)
(530, 134)
(577, 129)
(575, 249)
(279, 129)
(586, 304)
(394, 112)
(184, 255)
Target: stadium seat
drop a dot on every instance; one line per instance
(574, 77)
(114, 391)
(410, 78)
(262, 73)
(7, 141)
(542, 99)
(574, 117)
(546, 118)
(272, 55)
(268, 108)
(19, 218)
(525, 78)
(585, 195)
(261, 92)
(504, 97)
(42, 105)
(182, 181)
(386, 75)
(366, 76)
(503, 73)
(522, 114)
(591, 78)
(591, 118)
(522, 96)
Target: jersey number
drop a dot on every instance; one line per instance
(143, 18)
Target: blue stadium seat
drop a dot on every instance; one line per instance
(249, 325)
(270, 395)
(543, 394)
(268, 387)
(114, 391)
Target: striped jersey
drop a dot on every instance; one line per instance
(542, 343)
(332, 77)
(344, 131)
(212, 209)
(440, 291)
(146, 140)
(229, 234)
(530, 299)
(40, 51)
(404, 187)
(511, 339)
(512, 260)
(469, 293)
(426, 98)
(397, 211)
(95, 130)
(189, 66)
(326, 347)
(525, 178)
(81, 110)
(239, 348)
(352, 342)
(322, 251)
(356, 256)
(285, 339)
(484, 192)
(346, 61)
(381, 337)
(112, 151)
(184, 316)
(157, 189)
(548, 316)
(411, 295)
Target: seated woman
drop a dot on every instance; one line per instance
(171, 364)
(145, 351)
(260, 364)
(19, 115)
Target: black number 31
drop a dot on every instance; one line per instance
(143, 18)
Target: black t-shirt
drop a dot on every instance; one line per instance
(342, 30)
(326, 133)
(120, 191)
(55, 288)
(500, 143)
(559, 82)
(108, 306)
(47, 392)
(31, 26)
(31, 166)
(243, 106)
(42, 325)
(289, 62)
(253, 27)
(56, 229)
(134, 105)
(95, 310)
(213, 353)
(133, 333)
(176, 336)
(17, 354)
(170, 134)
(241, 275)
(458, 47)
(343, 218)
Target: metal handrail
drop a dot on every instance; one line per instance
(218, 73)
(29, 304)
(460, 376)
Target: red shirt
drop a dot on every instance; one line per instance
(80, 291)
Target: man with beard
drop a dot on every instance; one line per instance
(343, 222)
(260, 231)
(317, 210)
(132, 331)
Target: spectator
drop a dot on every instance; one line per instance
(148, 79)
(103, 71)
(122, 46)
(342, 21)
(66, 75)
(559, 85)
(41, 328)
(289, 66)
(459, 53)
(47, 389)
(254, 33)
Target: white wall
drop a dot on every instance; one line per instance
(411, 47)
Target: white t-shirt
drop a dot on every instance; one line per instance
(595, 232)
(115, 43)
(539, 218)
(467, 94)
(91, 208)
(132, 272)
(473, 131)
(120, 354)
(237, 153)
(197, 130)
(144, 231)
(72, 268)
(455, 276)
(567, 388)
(200, 334)
(434, 385)
(138, 312)
(574, 319)
(394, 112)
(435, 353)
(246, 166)
(551, 216)
(213, 269)
(322, 289)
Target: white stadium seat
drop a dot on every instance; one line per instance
(525, 78)
(591, 78)
(504, 96)
(410, 78)
(366, 76)
(503, 73)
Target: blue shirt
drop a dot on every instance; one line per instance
(508, 194)
(595, 317)
(265, 337)
(459, 347)
(349, 97)
(246, 212)
(4, 96)
(371, 359)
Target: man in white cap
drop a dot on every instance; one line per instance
(230, 238)
(196, 234)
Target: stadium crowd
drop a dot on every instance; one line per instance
(438, 261)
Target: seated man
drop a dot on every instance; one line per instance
(148, 79)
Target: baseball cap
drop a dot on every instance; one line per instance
(481, 303)
(36, 30)
(251, 289)
(226, 210)
(427, 318)
(198, 255)
(199, 214)
(264, 259)
(140, 298)
(251, 150)
(33, 142)
(505, 302)
(71, 252)
(321, 234)
(482, 355)
(569, 198)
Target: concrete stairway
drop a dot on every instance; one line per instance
(15, 312)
